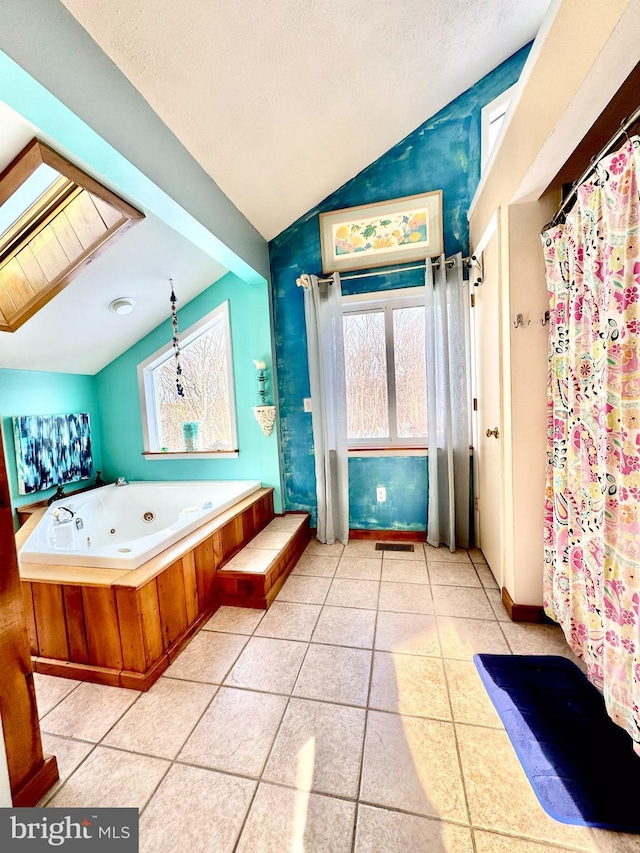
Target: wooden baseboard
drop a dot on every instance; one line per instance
(81, 671)
(382, 535)
(390, 535)
(38, 784)
(524, 612)
(144, 680)
(122, 677)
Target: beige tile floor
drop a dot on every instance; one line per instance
(350, 717)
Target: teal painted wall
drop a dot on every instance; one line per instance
(30, 392)
(120, 416)
(443, 153)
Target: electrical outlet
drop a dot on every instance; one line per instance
(307, 404)
(381, 494)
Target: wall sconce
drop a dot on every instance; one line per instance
(263, 413)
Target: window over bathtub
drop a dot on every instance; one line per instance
(385, 367)
(203, 421)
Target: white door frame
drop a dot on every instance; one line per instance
(493, 228)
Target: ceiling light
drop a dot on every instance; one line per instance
(123, 305)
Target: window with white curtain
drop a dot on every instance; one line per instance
(384, 345)
(207, 380)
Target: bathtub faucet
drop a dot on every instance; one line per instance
(62, 515)
(121, 481)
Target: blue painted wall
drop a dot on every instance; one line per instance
(120, 416)
(443, 153)
(30, 392)
(406, 480)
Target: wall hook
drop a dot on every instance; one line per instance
(519, 321)
(546, 318)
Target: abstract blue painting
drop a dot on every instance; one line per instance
(51, 450)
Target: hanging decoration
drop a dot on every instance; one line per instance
(176, 341)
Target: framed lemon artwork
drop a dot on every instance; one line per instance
(387, 232)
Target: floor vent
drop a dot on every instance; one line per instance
(392, 546)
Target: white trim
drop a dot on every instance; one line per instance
(489, 231)
(525, 74)
(152, 456)
(488, 116)
(150, 428)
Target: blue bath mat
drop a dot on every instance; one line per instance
(581, 765)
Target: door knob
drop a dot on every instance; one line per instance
(493, 432)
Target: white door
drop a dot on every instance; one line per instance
(487, 421)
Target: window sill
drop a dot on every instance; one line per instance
(401, 450)
(151, 455)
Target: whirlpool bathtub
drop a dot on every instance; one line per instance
(121, 527)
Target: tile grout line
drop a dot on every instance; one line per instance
(106, 746)
(366, 726)
(348, 704)
(44, 802)
(174, 760)
(259, 780)
(460, 765)
(275, 737)
(291, 696)
(95, 743)
(53, 707)
(355, 801)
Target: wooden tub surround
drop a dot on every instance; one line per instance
(124, 627)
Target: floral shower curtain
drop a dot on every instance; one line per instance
(592, 506)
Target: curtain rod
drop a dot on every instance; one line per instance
(622, 130)
(467, 262)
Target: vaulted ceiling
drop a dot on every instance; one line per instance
(282, 102)
(279, 102)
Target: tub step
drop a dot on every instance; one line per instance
(253, 577)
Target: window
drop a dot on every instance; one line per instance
(492, 119)
(207, 379)
(384, 344)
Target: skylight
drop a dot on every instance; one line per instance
(54, 218)
(27, 195)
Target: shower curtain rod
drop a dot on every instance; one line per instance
(449, 263)
(622, 130)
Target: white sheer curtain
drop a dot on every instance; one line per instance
(325, 350)
(447, 404)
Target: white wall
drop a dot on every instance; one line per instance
(528, 380)
(575, 67)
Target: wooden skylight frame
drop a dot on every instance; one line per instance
(63, 231)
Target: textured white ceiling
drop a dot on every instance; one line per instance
(282, 102)
(76, 333)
